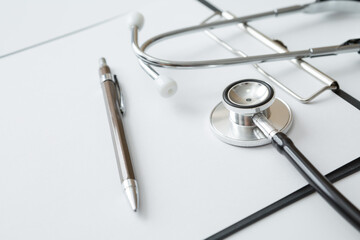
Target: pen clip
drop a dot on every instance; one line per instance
(120, 95)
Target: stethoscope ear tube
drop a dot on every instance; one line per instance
(323, 186)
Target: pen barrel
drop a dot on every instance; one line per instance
(112, 102)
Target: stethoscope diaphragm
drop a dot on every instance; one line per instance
(231, 120)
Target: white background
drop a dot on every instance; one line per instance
(58, 176)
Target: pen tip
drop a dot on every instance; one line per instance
(132, 193)
(102, 62)
(133, 198)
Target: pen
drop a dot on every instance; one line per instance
(115, 110)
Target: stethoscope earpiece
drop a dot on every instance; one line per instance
(232, 119)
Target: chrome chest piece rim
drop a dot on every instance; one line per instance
(231, 120)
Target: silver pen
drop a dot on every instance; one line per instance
(115, 110)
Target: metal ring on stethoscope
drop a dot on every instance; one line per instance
(228, 94)
(231, 119)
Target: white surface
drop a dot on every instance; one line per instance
(58, 177)
(25, 23)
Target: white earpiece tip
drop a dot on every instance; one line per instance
(135, 19)
(166, 86)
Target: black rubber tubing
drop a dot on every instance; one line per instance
(322, 185)
(334, 176)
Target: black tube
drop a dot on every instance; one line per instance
(347, 97)
(323, 186)
(334, 176)
(209, 5)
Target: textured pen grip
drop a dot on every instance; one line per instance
(344, 207)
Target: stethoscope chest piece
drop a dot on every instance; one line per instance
(231, 120)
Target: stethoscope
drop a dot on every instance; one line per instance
(249, 114)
